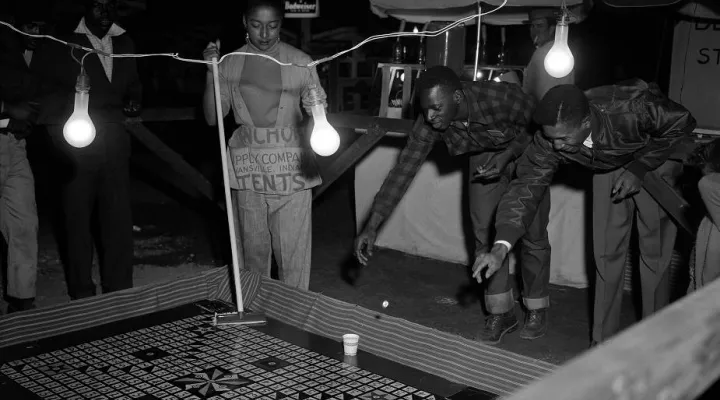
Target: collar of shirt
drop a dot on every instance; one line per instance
(103, 44)
(596, 126)
(114, 30)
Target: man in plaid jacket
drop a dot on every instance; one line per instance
(490, 123)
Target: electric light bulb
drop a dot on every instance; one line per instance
(324, 139)
(559, 61)
(79, 130)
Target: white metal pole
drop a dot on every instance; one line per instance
(226, 184)
(477, 42)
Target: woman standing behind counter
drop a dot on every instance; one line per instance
(273, 168)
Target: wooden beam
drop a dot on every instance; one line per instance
(349, 157)
(176, 162)
(675, 354)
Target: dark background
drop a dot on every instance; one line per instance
(611, 44)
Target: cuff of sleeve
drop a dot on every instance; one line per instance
(638, 169)
(504, 243)
(508, 235)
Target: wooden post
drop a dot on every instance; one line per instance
(349, 157)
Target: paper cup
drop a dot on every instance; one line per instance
(350, 344)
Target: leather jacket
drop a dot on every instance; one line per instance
(633, 126)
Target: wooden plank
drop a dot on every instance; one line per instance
(349, 157)
(176, 162)
(407, 89)
(669, 200)
(385, 90)
(675, 354)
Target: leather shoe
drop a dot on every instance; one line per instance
(497, 326)
(15, 304)
(536, 324)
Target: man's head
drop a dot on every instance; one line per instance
(440, 94)
(31, 17)
(564, 113)
(100, 15)
(542, 26)
(263, 21)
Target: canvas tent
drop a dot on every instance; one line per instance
(432, 219)
(695, 73)
(514, 12)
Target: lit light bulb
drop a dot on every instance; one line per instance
(559, 61)
(324, 139)
(79, 130)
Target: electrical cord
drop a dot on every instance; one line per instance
(176, 56)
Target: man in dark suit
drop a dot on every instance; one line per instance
(18, 113)
(98, 177)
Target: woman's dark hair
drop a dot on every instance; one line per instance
(707, 157)
(276, 5)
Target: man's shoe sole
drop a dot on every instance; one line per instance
(527, 336)
(509, 329)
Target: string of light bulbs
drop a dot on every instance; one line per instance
(176, 56)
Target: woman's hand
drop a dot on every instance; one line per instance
(212, 51)
(311, 97)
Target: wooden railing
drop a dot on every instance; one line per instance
(675, 354)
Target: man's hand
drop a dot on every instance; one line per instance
(494, 168)
(626, 185)
(492, 261)
(364, 245)
(21, 111)
(212, 50)
(132, 109)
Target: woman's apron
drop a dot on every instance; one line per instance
(275, 160)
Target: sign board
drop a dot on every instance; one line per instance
(302, 8)
(695, 74)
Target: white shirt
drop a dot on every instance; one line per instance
(104, 44)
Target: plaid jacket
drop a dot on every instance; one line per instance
(499, 116)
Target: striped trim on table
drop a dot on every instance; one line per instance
(439, 353)
(94, 311)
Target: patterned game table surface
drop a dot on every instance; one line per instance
(179, 354)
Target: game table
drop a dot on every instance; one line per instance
(158, 342)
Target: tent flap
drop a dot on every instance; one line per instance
(515, 12)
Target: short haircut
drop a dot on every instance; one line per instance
(438, 76)
(276, 5)
(565, 104)
(707, 156)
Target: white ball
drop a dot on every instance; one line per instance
(385, 304)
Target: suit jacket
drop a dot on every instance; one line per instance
(634, 126)
(17, 81)
(58, 70)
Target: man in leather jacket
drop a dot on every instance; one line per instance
(623, 132)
